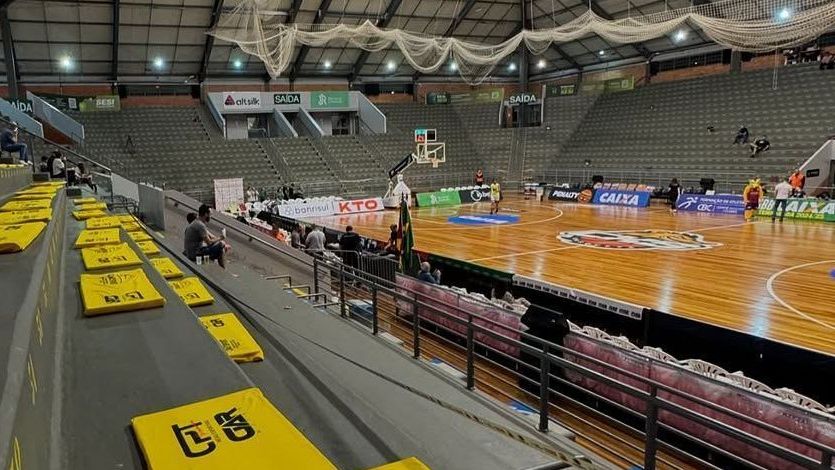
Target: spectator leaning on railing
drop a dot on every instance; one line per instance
(9, 143)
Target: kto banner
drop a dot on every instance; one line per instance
(474, 195)
(439, 198)
(718, 203)
(358, 205)
(802, 208)
(621, 198)
(241, 100)
(329, 99)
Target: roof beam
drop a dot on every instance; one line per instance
(294, 10)
(381, 23)
(114, 51)
(8, 52)
(210, 40)
(324, 6)
(597, 10)
(456, 22)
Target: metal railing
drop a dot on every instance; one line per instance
(545, 386)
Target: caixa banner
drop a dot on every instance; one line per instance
(613, 197)
(718, 203)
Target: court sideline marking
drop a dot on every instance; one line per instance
(580, 246)
(769, 285)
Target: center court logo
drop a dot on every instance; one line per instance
(638, 240)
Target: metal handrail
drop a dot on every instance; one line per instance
(59, 146)
(546, 356)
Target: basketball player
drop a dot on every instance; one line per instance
(751, 195)
(495, 196)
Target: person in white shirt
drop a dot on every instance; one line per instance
(315, 241)
(781, 198)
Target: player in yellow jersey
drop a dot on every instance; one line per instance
(495, 196)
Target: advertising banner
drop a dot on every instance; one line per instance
(717, 204)
(563, 194)
(241, 100)
(561, 90)
(302, 210)
(287, 98)
(438, 198)
(621, 198)
(802, 208)
(62, 102)
(437, 97)
(474, 195)
(619, 84)
(329, 99)
(495, 95)
(358, 205)
(99, 103)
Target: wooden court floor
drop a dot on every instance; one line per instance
(769, 280)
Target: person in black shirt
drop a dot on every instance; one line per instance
(350, 243)
(741, 136)
(760, 145)
(674, 191)
(392, 241)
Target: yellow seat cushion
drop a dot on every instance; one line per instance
(239, 345)
(166, 267)
(119, 291)
(110, 256)
(241, 430)
(88, 214)
(103, 222)
(13, 206)
(149, 248)
(192, 291)
(14, 238)
(19, 217)
(105, 236)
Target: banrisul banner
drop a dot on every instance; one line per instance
(287, 98)
(613, 197)
(439, 198)
(717, 204)
(806, 208)
(474, 195)
(329, 99)
(99, 103)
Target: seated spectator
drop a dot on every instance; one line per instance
(741, 136)
(198, 241)
(251, 194)
(350, 243)
(59, 166)
(9, 143)
(44, 165)
(760, 145)
(296, 237)
(392, 241)
(86, 178)
(826, 60)
(315, 241)
(129, 146)
(425, 275)
(291, 191)
(711, 129)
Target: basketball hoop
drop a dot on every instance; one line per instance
(431, 152)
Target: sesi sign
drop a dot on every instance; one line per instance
(521, 98)
(358, 205)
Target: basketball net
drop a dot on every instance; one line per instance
(743, 25)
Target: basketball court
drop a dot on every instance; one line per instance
(767, 280)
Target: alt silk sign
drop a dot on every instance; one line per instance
(239, 100)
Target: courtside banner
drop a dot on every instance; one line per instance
(357, 206)
(474, 195)
(613, 197)
(716, 204)
(306, 209)
(563, 194)
(439, 198)
(802, 208)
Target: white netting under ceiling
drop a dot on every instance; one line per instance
(745, 25)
